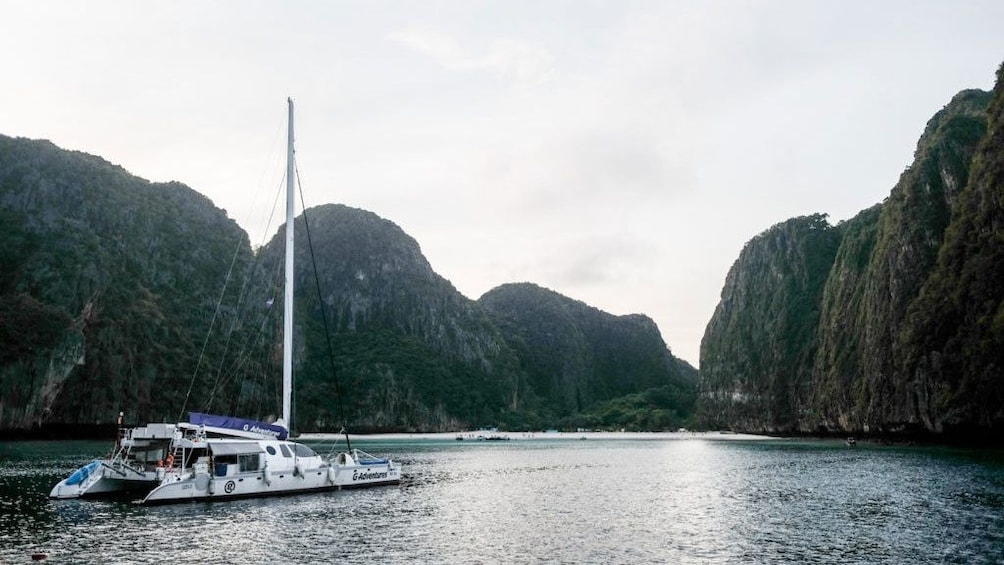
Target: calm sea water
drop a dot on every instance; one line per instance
(695, 500)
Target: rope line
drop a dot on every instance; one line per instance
(324, 316)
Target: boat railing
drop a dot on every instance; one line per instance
(333, 452)
(364, 458)
(121, 467)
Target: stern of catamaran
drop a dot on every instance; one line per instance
(356, 469)
(135, 464)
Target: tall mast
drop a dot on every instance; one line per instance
(287, 316)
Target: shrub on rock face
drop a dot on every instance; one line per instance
(904, 333)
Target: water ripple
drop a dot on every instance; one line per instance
(693, 501)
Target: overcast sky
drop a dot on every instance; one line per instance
(618, 152)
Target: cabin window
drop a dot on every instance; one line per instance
(270, 449)
(285, 450)
(302, 450)
(225, 459)
(248, 462)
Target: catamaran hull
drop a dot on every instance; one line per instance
(361, 476)
(102, 488)
(229, 488)
(98, 479)
(204, 488)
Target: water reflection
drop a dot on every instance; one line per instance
(550, 501)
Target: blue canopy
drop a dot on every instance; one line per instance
(240, 424)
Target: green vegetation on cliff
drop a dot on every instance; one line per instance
(411, 353)
(106, 299)
(756, 354)
(592, 369)
(843, 322)
(953, 345)
(906, 332)
(117, 294)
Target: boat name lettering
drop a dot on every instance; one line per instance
(366, 475)
(255, 429)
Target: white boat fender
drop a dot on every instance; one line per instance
(298, 469)
(332, 473)
(266, 475)
(202, 481)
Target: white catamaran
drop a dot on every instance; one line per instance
(218, 457)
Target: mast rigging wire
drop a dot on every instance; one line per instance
(324, 315)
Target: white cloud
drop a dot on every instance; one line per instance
(618, 152)
(510, 59)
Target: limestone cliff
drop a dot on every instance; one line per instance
(105, 297)
(118, 294)
(952, 347)
(757, 351)
(411, 352)
(577, 357)
(901, 334)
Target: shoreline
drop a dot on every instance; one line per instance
(471, 436)
(972, 439)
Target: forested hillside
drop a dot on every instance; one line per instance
(104, 298)
(410, 352)
(896, 318)
(117, 294)
(578, 358)
(762, 337)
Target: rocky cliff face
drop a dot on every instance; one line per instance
(908, 234)
(843, 323)
(411, 352)
(104, 296)
(576, 356)
(544, 329)
(757, 351)
(877, 328)
(952, 346)
(117, 294)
